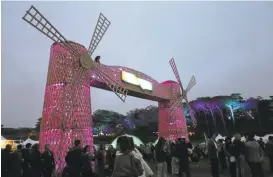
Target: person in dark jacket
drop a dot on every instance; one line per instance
(16, 159)
(182, 149)
(6, 163)
(74, 160)
(26, 160)
(160, 158)
(213, 155)
(48, 161)
(87, 158)
(100, 156)
(110, 158)
(35, 161)
(262, 144)
(222, 155)
(239, 152)
(269, 151)
(230, 156)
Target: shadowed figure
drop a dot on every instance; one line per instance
(48, 161)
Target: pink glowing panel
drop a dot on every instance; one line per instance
(173, 127)
(71, 122)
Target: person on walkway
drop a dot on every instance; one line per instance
(35, 161)
(16, 162)
(101, 161)
(269, 152)
(110, 159)
(26, 160)
(87, 165)
(262, 144)
(239, 150)
(74, 160)
(175, 160)
(253, 154)
(125, 163)
(182, 150)
(160, 158)
(230, 154)
(213, 155)
(222, 155)
(5, 157)
(48, 161)
(147, 170)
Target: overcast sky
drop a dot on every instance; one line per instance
(228, 46)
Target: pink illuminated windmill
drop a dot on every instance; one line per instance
(183, 93)
(67, 110)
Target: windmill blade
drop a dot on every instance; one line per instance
(102, 25)
(193, 119)
(176, 103)
(173, 65)
(191, 84)
(113, 85)
(38, 21)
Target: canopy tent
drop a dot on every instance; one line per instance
(29, 141)
(137, 141)
(219, 137)
(2, 138)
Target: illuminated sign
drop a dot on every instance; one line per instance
(132, 79)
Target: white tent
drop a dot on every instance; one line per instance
(219, 137)
(137, 141)
(2, 138)
(29, 141)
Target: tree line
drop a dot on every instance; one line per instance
(212, 113)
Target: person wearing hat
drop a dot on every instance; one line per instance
(213, 155)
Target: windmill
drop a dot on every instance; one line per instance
(183, 93)
(80, 72)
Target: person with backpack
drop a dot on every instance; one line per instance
(126, 164)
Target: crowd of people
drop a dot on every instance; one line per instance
(236, 154)
(128, 160)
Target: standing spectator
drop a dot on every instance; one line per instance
(153, 151)
(48, 161)
(160, 158)
(125, 163)
(182, 149)
(231, 156)
(26, 160)
(253, 153)
(269, 152)
(262, 144)
(239, 151)
(35, 161)
(213, 155)
(100, 156)
(87, 158)
(222, 154)
(74, 160)
(6, 162)
(110, 158)
(136, 154)
(16, 159)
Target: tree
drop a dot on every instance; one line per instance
(259, 98)
(38, 124)
(145, 117)
(105, 120)
(237, 96)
